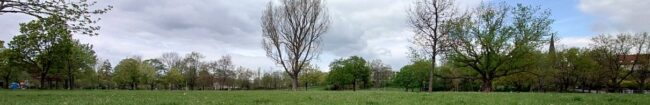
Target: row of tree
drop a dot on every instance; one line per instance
(611, 63)
(46, 54)
(491, 44)
(494, 46)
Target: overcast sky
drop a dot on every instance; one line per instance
(373, 29)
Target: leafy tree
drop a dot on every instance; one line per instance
(149, 75)
(458, 78)
(158, 66)
(9, 68)
(77, 13)
(529, 79)
(339, 78)
(158, 69)
(585, 68)
(311, 77)
(128, 72)
(73, 58)
(413, 75)
(86, 79)
(273, 80)
(104, 73)
(492, 47)
(34, 47)
(567, 74)
(174, 78)
(353, 70)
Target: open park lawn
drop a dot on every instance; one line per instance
(142, 97)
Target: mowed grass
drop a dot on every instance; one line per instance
(145, 97)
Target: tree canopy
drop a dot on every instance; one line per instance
(497, 40)
(353, 70)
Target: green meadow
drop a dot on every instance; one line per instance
(267, 97)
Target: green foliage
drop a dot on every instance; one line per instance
(78, 13)
(9, 70)
(105, 73)
(128, 72)
(73, 58)
(337, 78)
(87, 79)
(35, 44)
(45, 47)
(311, 76)
(273, 80)
(413, 75)
(174, 78)
(353, 70)
(157, 65)
(148, 75)
(492, 46)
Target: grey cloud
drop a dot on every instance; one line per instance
(373, 29)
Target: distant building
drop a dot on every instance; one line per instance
(629, 61)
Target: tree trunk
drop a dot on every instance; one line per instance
(43, 80)
(541, 84)
(152, 86)
(7, 78)
(5, 83)
(487, 85)
(72, 86)
(354, 85)
(294, 83)
(433, 67)
(70, 78)
(642, 85)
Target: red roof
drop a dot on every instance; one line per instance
(629, 59)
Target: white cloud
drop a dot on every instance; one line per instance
(618, 15)
(575, 41)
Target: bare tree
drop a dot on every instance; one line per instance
(170, 59)
(380, 73)
(427, 18)
(611, 50)
(643, 73)
(292, 34)
(224, 71)
(243, 76)
(191, 66)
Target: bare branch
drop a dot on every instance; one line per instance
(292, 34)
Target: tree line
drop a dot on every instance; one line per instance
(493, 47)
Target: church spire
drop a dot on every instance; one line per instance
(552, 57)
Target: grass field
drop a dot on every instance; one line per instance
(140, 97)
